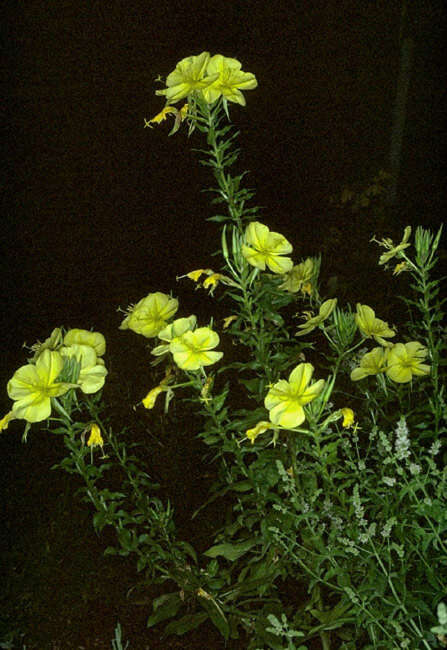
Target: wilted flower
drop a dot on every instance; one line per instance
(53, 342)
(84, 337)
(326, 309)
(372, 327)
(162, 115)
(406, 360)
(95, 438)
(193, 350)
(5, 420)
(150, 314)
(150, 399)
(264, 248)
(230, 80)
(399, 268)
(393, 250)
(33, 386)
(348, 417)
(190, 74)
(261, 427)
(228, 320)
(196, 275)
(285, 400)
(298, 277)
(372, 363)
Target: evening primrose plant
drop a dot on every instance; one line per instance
(325, 428)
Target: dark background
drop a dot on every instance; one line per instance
(98, 211)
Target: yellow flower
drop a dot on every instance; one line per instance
(348, 417)
(406, 360)
(192, 350)
(228, 320)
(393, 250)
(92, 372)
(150, 399)
(372, 363)
(189, 75)
(298, 277)
(5, 420)
(230, 79)
(150, 314)
(33, 386)
(95, 438)
(372, 327)
(261, 427)
(179, 327)
(285, 400)
(84, 337)
(266, 248)
(326, 309)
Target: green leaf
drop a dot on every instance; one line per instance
(164, 607)
(216, 615)
(230, 551)
(185, 624)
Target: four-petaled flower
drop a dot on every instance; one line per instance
(33, 386)
(372, 363)
(298, 277)
(193, 350)
(285, 400)
(150, 314)
(406, 360)
(230, 81)
(372, 327)
(326, 309)
(177, 328)
(265, 248)
(190, 74)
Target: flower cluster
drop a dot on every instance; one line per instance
(192, 348)
(213, 77)
(59, 364)
(400, 362)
